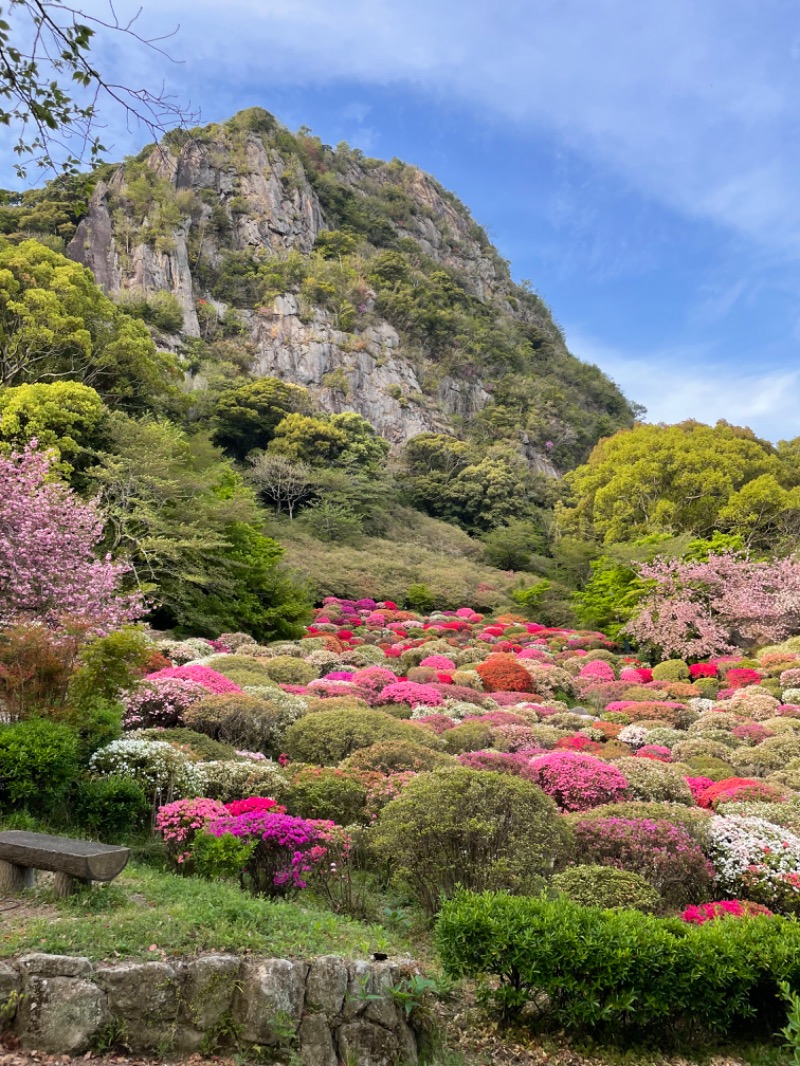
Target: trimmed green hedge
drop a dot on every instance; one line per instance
(620, 972)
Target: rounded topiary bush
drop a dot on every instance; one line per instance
(38, 763)
(578, 782)
(111, 808)
(242, 669)
(395, 756)
(287, 670)
(671, 670)
(502, 673)
(654, 781)
(198, 744)
(607, 887)
(328, 737)
(473, 828)
(470, 736)
(317, 792)
(238, 719)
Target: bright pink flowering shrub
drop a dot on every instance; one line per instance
(725, 908)
(254, 805)
(203, 675)
(661, 852)
(286, 851)
(578, 782)
(597, 670)
(698, 785)
(751, 732)
(179, 823)
(740, 677)
(499, 762)
(702, 670)
(438, 662)
(412, 694)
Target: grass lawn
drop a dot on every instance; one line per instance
(147, 913)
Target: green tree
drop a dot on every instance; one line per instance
(64, 415)
(672, 479)
(245, 419)
(512, 545)
(56, 324)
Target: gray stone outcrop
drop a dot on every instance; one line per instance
(323, 1012)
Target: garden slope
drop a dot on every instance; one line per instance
(412, 319)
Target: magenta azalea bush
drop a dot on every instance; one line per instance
(202, 675)
(578, 782)
(179, 822)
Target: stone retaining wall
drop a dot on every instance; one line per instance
(319, 1013)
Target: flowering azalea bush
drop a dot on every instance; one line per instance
(180, 821)
(757, 861)
(578, 782)
(161, 701)
(161, 769)
(699, 914)
(202, 675)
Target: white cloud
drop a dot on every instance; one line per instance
(675, 384)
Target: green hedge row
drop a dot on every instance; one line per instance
(619, 972)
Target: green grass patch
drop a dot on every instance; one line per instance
(146, 913)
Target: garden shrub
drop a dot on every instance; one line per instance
(475, 828)
(179, 822)
(739, 790)
(707, 766)
(111, 808)
(161, 702)
(757, 860)
(694, 820)
(671, 670)
(661, 852)
(286, 670)
(502, 673)
(605, 886)
(243, 670)
(214, 681)
(239, 719)
(771, 754)
(38, 763)
(158, 767)
(653, 781)
(329, 737)
(198, 744)
(317, 792)
(614, 973)
(220, 858)
(393, 756)
(96, 721)
(227, 781)
(469, 736)
(578, 782)
(700, 747)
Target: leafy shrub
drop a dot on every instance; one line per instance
(662, 853)
(392, 756)
(111, 808)
(220, 858)
(330, 736)
(758, 861)
(671, 670)
(287, 670)
(470, 736)
(38, 763)
(317, 792)
(654, 781)
(240, 719)
(578, 782)
(695, 821)
(458, 826)
(707, 766)
(739, 790)
(161, 702)
(726, 908)
(179, 822)
(600, 972)
(198, 744)
(226, 781)
(605, 886)
(771, 754)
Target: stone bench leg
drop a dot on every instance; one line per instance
(65, 885)
(15, 878)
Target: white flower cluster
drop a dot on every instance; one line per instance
(228, 779)
(156, 765)
(744, 849)
(635, 735)
(185, 651)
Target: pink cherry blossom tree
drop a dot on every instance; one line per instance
(727, 602)
(48, 538)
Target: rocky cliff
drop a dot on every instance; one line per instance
(362, 280)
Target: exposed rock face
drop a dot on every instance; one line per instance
(327, 1011)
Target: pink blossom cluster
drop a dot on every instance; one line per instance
(578, 782)
(411, 693)
(699, 914)
(160, 702)
(203, 675)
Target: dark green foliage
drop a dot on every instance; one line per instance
(395, 756)
(111, 808)
(96, 721)
(325, 793)
(110, 665)
(327, 737)
(219, 858)
(470, 828)
(605, 886)
(620, 973)
(246, 418)
(38, 763)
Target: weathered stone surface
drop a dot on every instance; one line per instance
(54, 965)
(146, 996)
(367, 1044)
(270, 1003)
(61, 1014)
(316, 1042)
(326, 986)
(209, 985)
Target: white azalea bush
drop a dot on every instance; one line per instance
(755, 859)
(161, 769)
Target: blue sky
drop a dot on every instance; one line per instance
(638, 162)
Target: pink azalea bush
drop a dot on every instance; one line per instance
(411, 693)
(578, 782)
(179, 822)
(202, 675)
(699, 914)
(160, 702)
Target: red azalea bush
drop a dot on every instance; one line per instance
(726, 908)
(654, 751)
(661, 852)
(254, 805)
(578, 782)
(502, 673)
(702, 670)
(597, 670)
(740, 677)
(740, 790)
(698, 785)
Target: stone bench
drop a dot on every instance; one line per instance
(74, 862)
